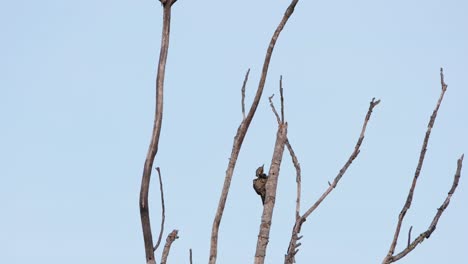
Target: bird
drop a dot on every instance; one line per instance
(259, 183)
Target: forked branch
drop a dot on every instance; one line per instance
(294, 159)
(433, 225)
(389, 258)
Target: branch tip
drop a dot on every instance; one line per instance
(243, 92)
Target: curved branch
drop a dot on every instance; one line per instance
(153, 147)
(163, 211)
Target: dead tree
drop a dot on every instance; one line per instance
(273, 173)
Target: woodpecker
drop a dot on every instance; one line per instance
(259, 183)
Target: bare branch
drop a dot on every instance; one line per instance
(281, 140)
(293, 242)
(295, 161)
(163, 211)
(243, 93)
(274, 109)
(343, 170)
(167, 247)
(190, 251)
(271, 186)
(282, 99)
(433, 225)
(298, 178)
(409, 235)
(241, 132)
(153, 147)
(292, 248)
(409, 199)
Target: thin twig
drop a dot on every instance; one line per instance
(153, 147)
(422, 155)
(167, 247)
(163, 211)
(434, 222)
(409, 236)
(240, 135)
(274, 109)
(282, 99)
(243, 93)
(190, 252)
(293, 245)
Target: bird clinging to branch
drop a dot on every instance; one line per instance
(260, 182)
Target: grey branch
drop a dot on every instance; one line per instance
(281, 98)
(167, 247)
(240, 135)
(271, 186)
(411, 246)
(153, 146)
(163, 210)
(295, 161)
(293, 245)
(243, 93)
(272, 183)
(389, 258)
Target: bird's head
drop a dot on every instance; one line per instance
(259, 171)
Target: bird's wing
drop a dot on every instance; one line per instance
(257, 187)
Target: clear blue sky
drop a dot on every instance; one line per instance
(77, 105)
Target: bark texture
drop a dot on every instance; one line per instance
(271, 186)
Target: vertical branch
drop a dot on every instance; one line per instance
(190, 257)
(295, 161)
(243, 93)
(153, 147)
(282, 99)
(170, 238)
(409, 236)
(240, 135)
(422, 155)
(271, 185)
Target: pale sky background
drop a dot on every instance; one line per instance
(77, 106)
